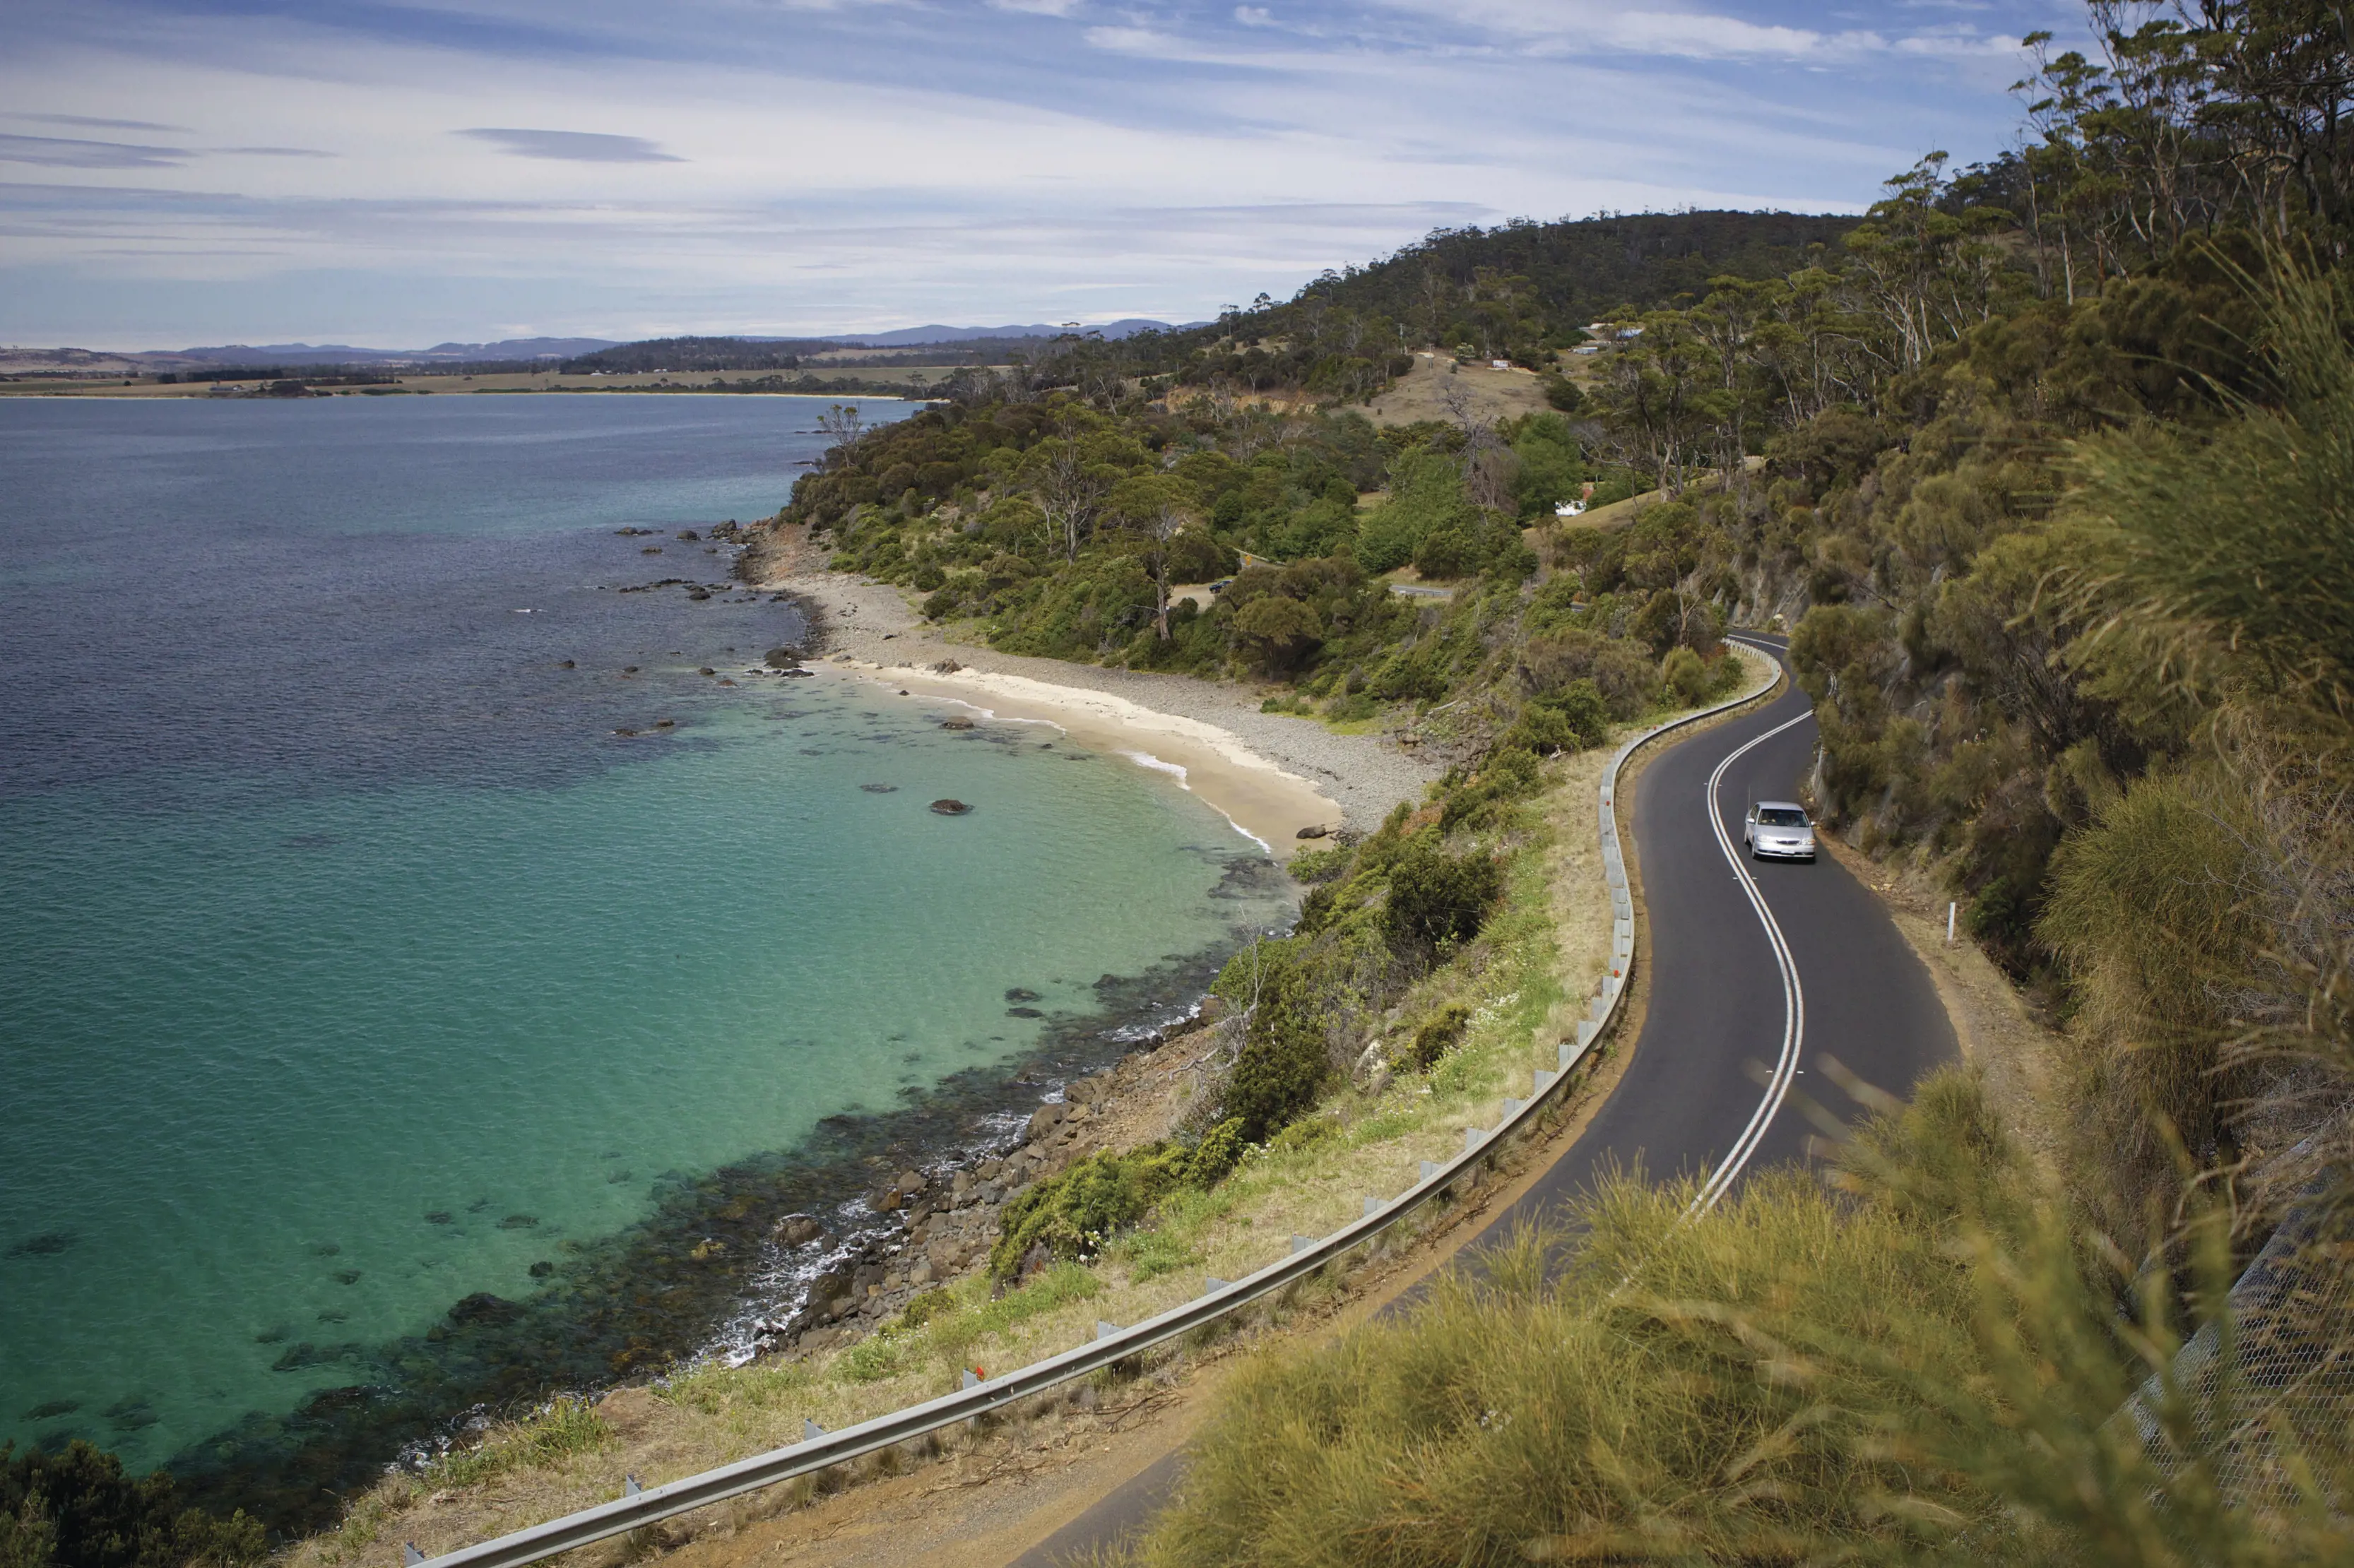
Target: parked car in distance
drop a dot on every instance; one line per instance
(1777, 830)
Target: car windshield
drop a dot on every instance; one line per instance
(1782, 817)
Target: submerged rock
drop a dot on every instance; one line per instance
(1020, 993)
(956, 723)
(483, 1306)
(951, 808)
(1024, 1013)
(800, 1230)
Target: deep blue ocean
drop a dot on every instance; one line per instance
(353, 961)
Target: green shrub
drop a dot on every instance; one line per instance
(1686, 676)
(1509, 772)
(1283, 1066)
(1439, 901)
(1418, 672)
(1439, 1033)
(1074, 1214)
(77, 1510)
(1321, 864)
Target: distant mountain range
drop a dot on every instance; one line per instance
(99, 362)
(1128, 326)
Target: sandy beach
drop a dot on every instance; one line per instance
(1270, 774)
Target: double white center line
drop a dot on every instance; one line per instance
(1793, 996)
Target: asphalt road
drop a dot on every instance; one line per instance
(1718, 1013)
(1734, 1033)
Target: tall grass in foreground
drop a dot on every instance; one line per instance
(1915, 1364)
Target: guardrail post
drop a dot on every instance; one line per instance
(1471, 1137)
(1105, 1330)
(1300, 1244)
(629, 1487)
(409, 1556)
(810, 1429)
(1429, 1168)
(968, 1380)
(1373, 1207)
(1212, 1285)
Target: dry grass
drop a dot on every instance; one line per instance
(1420, 394)
(1920, 1368)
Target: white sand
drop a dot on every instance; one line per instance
(1271, 774)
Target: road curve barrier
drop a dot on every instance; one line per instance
(820, 1449)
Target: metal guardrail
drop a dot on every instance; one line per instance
(820, 1449)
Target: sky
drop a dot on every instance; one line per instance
(396, 174)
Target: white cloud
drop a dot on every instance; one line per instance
(737, 163)
(77, 153)
(573, 146)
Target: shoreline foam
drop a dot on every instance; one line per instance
(1265, 803)
(1270, 774)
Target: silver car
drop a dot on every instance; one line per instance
(1777, 829)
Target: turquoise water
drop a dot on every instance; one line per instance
(352, 964)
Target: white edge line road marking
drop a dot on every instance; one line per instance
(1793, 996)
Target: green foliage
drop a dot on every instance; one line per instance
(1425, 498)
(1567, 718)
(1438, 901)
(1321, 864)
(1439, 1033)
(1074, 1213)
(1552, 463)
(1919, 1369)
(1509, 772)
(1290, 989)
(77, 1510)
(1276, 634)
(2249, 531)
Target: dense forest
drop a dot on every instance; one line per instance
(680, 355)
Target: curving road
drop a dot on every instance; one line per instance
(1756, 971)
(1722, 1008)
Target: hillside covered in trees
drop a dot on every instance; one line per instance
(2045, 465)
